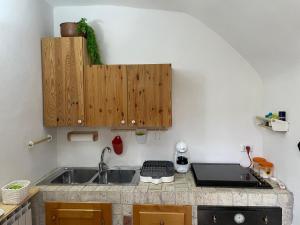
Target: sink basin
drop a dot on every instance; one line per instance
(117, 176)
(90, 176)
(75, 176)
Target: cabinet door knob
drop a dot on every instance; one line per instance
(122, 121)
(162, 222)
(214, 219)
(266, 220)
(133, 121)
(79, 121)
(53, 218)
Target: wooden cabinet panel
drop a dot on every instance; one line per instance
(162, 215)
(78, 213)
(49, 82)
(149, 95)
(62, 63)
(106, 96)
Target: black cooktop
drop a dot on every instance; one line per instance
(227, 175)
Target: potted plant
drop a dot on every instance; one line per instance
(69, 29)
(91, 41)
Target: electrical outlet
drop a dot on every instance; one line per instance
(243, 148)
(245, 160)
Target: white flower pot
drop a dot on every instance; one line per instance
(141, 136)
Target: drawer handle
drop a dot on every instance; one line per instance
(214, 219)
(266, 220)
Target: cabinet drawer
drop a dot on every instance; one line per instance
(62, 213)
(162, 215)
(161, 218)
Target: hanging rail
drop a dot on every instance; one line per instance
(31, 144)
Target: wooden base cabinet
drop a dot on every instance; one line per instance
(162, 215)
(59, 213)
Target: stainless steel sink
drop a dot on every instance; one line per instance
(75, 176)
(91, 176)
(117, 176)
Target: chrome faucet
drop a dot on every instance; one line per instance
(102, 165)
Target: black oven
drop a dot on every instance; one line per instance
(223, 215)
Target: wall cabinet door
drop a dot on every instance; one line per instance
(62, 63)
(78, 214)
(106, 96)
(149, 95)
(162, 215)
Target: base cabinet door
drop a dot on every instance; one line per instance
(162, 215)
(78, 213)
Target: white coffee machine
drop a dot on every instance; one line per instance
(182, 161)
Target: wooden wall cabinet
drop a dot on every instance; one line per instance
(62, 63)
(129, 96)
(162, 215)
(60, 213)
(116, 96)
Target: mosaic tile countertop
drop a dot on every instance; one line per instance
(181, 192)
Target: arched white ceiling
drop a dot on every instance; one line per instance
(266, 33)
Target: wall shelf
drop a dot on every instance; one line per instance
(273, 124)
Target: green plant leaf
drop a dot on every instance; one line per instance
(91, 41)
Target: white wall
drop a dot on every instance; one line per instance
(23, 23)
(216, 94)
(282, 93)
(263, 32)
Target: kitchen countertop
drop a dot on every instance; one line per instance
(181, 192)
